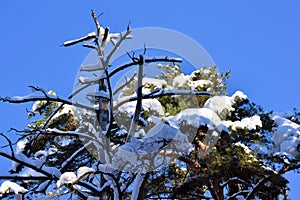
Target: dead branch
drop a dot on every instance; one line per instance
(261, 183)
(9, 143)
(97, 23)
(117, 45)
(52, 115)
(27, 164)
(127, 81)
(139, 106)
(32, 98)
(147, 61)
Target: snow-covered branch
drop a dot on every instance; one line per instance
(23, 160)
(261, 182)
(161, 93)
(127, 81)
(235, 179)
(75, 154)
(117, 44)
(33, 98)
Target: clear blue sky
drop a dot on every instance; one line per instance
(259, 40)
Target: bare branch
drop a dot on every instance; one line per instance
(127, 81)
(90, 46)
(27, 164)
(9, 142)
(79, 90)
(128, 26)
(261, 183)
(105, 38)
(139, 107)
(36, 88)
(236, 179)
(95, 17)
(75, 154)
(31, 98)
(117, 45)
(52, 115)
(147, 61)
(88, 37)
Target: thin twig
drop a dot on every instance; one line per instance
(121, 39)
(44, 98)
(52, 115)
(127, 81)
(147, 61)
(95, 17)
(10, 145)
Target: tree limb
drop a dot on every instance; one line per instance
(27, 164)
(147, 61)
(257, 187)
(32, 98)
(162, 93)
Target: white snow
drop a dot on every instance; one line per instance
(91, 67)
(8, 186)
(19, 148)
(246, 149)
(147, 81)
(42, 153)
(84, 170)
(200, 83)
(35, 106)
(285, 128)
(180, 80)
(92, 34)
(67, 109)
(88, 79)
(138, 153)
(99, 94)
(196, 117)
(202, 71)
(219, 103)
(148, 104)
(67, 177)
(286, 136)
(249, 122)
(21, 145)
(240, 95)
(30, 172)
(65, 142)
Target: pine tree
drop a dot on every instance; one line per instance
(172, 136)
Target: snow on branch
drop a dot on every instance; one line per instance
(261, 182)
(89, 37)
(236, 179)
(117, 44)
(8, 186)
(50, 172)
(75, 154)
(161, 93)
(127, 82)
(32, 98)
